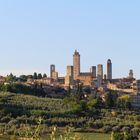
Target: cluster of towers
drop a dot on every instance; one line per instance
(74, 73)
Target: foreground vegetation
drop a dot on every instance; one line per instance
(86, 136)
(19, 116)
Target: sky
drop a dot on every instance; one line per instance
(37, 33)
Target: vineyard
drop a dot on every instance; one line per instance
(19, 116)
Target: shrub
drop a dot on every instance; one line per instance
(5, 119)
(14, 122)
(136, 117)
(126, 129)
(107, 129)
(135, 132)
(116, 129)
(98, 124)
(137, 125)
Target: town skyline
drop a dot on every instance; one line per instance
(104, 69)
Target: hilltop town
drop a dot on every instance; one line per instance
(86, 101)
(94, 80)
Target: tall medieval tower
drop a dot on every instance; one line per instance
(109, 69)
(76, 64)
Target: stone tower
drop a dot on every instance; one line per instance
(52, 70)
(99, 74)
(76, 65)
(100, 70)
(93, 71)
(131, 75)
(70, 71)
(109, 69)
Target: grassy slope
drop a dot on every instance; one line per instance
(32, 102)
(89, 136)
(92, 136)
(96, 136)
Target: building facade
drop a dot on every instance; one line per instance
(70, 71)
(69, 76)
(85, 78)
(136, 86)
(93, 71)
(55, 76)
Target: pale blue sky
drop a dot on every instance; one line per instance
(37, 33)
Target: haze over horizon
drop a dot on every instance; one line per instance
(35, 34)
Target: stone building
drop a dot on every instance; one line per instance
(85, 78)
(136, 86)
(55, 76)
(69, 76)
(93, 71)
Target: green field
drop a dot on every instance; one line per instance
(4, 138)
(93, 136)
(96, 136)
(88, 136)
